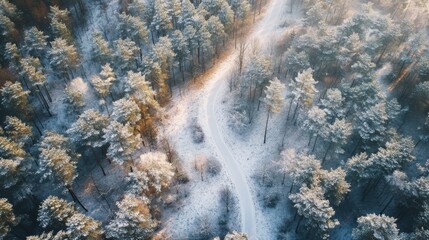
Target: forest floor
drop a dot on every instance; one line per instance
(241, 156)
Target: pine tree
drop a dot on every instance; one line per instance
(301, 168)
(187, 12)
(7, 27)
(7, 217)
(35, 42)
(13, 56)
(303, 90)
(63, 56)
(333, 104)
(100, 48)
(122, 142)
(75, 93)
(161, 21)
(219, 9)
(336, 135)
(15, 98)
(158, 170)
(88, 131)
(80, 226)
(374, 226)
(60, 23)
(132, 27)
(274, 99)
(54, 212)
(11, 149)
(295, 61)
(334, 184)
(132, 220)
(61, 235)
(103, 83)
(217, 30)
(126, 111)
(18, 131)
(58, 162)
(127, 54)
(235, 236)
(315, 123)
(311, 204)
(180, 47)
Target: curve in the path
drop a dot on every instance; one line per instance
(247, 208)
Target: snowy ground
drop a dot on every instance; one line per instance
(241, 157)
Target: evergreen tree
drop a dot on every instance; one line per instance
(161, 21)
(60, 23)
(315, 123)
(122, 142)
(100, 48)
(75, 93)
(61, 235)
(132, 27)
(334, 184)
(35, 42)
(88, 131)
(333, 104)
(54, 212)
(301, 168)
(127, 54)
(274, 99)
(80, 226)
(13, 56)
(63, 56)
(311, 204)
(18, 131)
(336, 135)
(132, 220)
(374, 226)
(303, 90)
(154, 173)
(7, 218)
(180, 48)
(126, 111)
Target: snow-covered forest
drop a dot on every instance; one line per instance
(214, 119)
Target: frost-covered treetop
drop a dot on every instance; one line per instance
(377, 227)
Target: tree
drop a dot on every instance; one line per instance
(132, 220)
(103, 83)
(13, 56)
(18, 131)
(75, 93)
(132, 27)
(63, 56)
(100, 48)
(333, 104)
(7, 217)
(49, 236)
(274, 99)
(217, 30)
(311, 204)
(80, 226)
(55, 212)
(35, 42)
(126, 111)
(180, 47)
(122, 142)
(371, 124)
(336, 135)
(12, 176)
(374, 226)
(153, 174)
(60, 23)
(159, 63)
(334, 184)
(301, 168)
(15, 98)
(161, 21)
(187, 12)
(235, 236)
(315, 123)
(295, 61)
(32, 70)
(11, 149)
(303, 90)
(58, 162)
(88, 131)
(7, 26)
(127, 54)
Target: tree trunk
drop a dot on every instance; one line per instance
(266, 126)
(326, 153)
(98, 161)
(314, 145)
(387, 205)
(76, 199)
